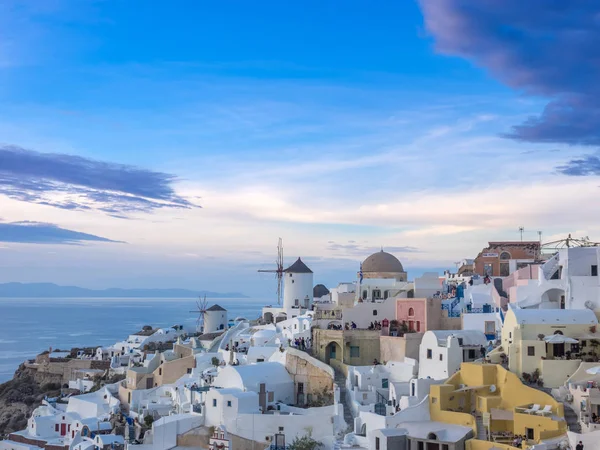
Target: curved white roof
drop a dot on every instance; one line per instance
(252, 375)
(544, 316)
(469, 337)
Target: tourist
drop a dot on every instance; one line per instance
(579, 446)
(353, 326)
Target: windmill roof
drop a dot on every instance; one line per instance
(298, 267)
(216, 308)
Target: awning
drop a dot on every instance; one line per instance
(560, 339)
(502, 414)
(593, 370)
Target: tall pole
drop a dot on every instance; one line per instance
(521, 229)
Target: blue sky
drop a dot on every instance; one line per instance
(176, 142)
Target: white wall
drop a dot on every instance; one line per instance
(364, 313)
(427, 285)
(444, 361)
(166, 429)
(297, 286)
(476, 321)
(215, 321)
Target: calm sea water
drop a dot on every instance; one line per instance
(30, 326)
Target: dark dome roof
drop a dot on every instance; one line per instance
(216, 308)
(382, 262)
(298, 267)
(320, 290)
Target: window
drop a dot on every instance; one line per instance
(229, 403)
(510, 334)
(411, 312)
(488, 269)
(376, 443)
(56, 428)
(434, 400)
(384, 383)
(354, 351)
(504, 269)
(429, 353)
(295, 326)
(300, 388)
(418, 326)
(471, 354)
(441, 357)
(160, 371)
(460, 341)
(214, 402)
(281, 429)
(490, 327)
(530, 351)
(374, 312)
(421, 445)
(594, 271)
(376, 294)
(504, 255)
(260, 360)
(189, 370)
(365, 294)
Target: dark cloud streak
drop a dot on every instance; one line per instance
(547, 48)
(31, 176)
(44, 233)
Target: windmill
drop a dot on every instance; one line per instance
(201, 311)
(278, 271)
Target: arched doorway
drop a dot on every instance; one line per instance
(333, 351)
(280, 317)
(268, 317)
(553, 299)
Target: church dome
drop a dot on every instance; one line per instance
(382, 262)
(320, 290)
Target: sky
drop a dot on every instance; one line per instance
(170, 144)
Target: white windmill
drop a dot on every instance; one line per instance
(201, 311)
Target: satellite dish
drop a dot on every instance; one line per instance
(493, 388)
(589, 304)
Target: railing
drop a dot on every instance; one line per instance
(331, 315)
(490, 309)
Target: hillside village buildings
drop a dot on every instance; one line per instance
(501, 354)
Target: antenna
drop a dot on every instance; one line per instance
(278, 271)
(201, 311)
(521, 230)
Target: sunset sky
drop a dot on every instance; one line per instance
(170, 144)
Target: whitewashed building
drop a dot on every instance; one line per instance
(442, 352)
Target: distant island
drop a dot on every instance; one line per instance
(51, 290)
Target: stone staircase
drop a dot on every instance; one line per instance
(340, 380)
(481, 430)
(572, 419)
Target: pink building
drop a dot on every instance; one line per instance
(420, 314)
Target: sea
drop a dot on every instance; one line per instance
(29, 326)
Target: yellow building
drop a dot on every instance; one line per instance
(549, 341)
(497, 406)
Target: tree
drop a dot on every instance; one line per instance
(215, 361)
(148, 420)
(306, 442)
